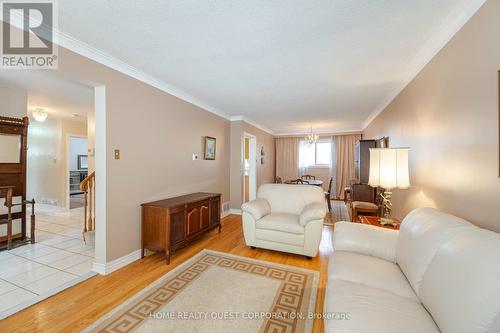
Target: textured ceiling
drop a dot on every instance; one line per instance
(285, 65)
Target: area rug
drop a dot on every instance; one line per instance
(339, 213)
(218, 292)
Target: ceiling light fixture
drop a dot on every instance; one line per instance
(312, 138)
(40, 114)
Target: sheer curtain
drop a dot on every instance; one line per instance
(287, 158)
(332, 170)
(306, 156)
(344, 158)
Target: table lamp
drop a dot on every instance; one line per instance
(389, 170)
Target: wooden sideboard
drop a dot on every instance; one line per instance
(170, 224)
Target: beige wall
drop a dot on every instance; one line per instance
(265, 172)
(13, 102)
(157, 134)
(448, 116)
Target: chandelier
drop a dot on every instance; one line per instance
(311, 138)
(39, 114)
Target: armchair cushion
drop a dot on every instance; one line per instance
(283, 222)
(311, 212)
(365, 239)
(258, 208)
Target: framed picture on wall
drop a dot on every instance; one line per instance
(210, 145)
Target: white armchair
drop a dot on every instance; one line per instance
(287, 218)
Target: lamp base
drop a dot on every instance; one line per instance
(388, 221)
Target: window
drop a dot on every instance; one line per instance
(317, 154)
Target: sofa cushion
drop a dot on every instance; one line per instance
(291, 199)
(363, 309)
(279, 237)
(421, 234)
(281, 222)
(365, 239)
(461, 288)
(370, 271)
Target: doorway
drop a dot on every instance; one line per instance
(77, 166)
(250, 167)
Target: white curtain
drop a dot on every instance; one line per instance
(304, 163)
(345, 172)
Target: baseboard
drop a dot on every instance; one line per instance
(235, 211)
(110, 267)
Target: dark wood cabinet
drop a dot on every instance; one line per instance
(362, 160)
(360, 190)
(170, 224)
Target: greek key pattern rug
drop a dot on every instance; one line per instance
(219, 292)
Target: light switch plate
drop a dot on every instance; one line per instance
(195, 157)
(117, 154)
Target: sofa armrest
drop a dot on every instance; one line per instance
(311, 212)
(365, 239)
(258, 208)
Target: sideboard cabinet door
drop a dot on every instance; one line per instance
(177, 220)
(193, 220)
(215, 211)
(205, 215)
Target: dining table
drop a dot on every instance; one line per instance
(315, 182)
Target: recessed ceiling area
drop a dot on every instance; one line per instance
(59, 96)
(285, 65)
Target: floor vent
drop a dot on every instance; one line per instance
(225, 208)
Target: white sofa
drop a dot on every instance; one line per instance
(439, 273)
(287, 218)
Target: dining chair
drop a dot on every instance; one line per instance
(328, 195)
(6, 193)
(308, 177)
(297, 181)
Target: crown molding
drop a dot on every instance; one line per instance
(105, 59)
(253, 123)
(323, 132)
(435, 45)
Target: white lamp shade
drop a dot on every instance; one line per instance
(389, 168)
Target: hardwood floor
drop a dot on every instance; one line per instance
(79, 306)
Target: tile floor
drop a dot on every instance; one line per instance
(59, 257)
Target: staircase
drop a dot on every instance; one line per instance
(87, 186)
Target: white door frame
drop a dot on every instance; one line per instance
(100, 259)
(66, 164)
(252, 173)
